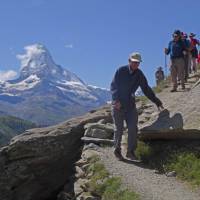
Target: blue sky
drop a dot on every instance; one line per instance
(93, 37)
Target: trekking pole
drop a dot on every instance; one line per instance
(165, 66)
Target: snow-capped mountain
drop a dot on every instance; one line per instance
(45, 92)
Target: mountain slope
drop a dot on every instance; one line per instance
(45, 92)
(12, 126)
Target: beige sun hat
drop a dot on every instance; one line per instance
(135, 57)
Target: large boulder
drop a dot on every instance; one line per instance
(37, 164)
(179, 119)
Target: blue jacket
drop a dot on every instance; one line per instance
(175, 49)
(126, 82)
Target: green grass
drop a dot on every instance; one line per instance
(103, 185)
(187, 166)
(180, 156)
(143, 151)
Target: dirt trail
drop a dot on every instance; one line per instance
(145, 181)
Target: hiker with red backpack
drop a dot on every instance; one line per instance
(198, 60)
(194, 52)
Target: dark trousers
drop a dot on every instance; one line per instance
(131, 118)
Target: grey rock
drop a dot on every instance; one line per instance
(102, 121)
(98, 141)
(91, 146)
(156, 171)
(107, 127)
(87, 196)
(81, 162)
(171, 174)
(181, 113)
(79, 173)
(64, 196)
(80, 186)
(98, 133)
(87, 155)
(36, 164)
(140, 110)
(96, 130)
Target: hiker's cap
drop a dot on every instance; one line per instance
(185, 35)
(135, 57)
(192, 35)
(177, 33)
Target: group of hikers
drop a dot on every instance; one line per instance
(184, 57)
(183, 53)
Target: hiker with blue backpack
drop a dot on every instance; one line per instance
(177, 49)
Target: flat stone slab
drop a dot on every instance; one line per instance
(88, 140)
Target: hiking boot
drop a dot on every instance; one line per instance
(118, 155)
(131, 155)
(173, 90)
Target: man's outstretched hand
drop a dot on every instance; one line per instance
(160, 107)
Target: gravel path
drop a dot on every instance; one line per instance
(146, 182)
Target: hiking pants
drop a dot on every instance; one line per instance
(192, 64)
(131, 118)
(177, 71)
(186, 66)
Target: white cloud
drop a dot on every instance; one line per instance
(32, 52)
(7, 75)
(70, 46)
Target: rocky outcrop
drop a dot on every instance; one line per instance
(180, 118)
(37, 164)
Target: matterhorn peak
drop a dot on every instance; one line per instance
(38, 61)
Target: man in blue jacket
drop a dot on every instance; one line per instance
(177, 49)
(126, 81)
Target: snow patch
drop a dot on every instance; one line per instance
(26, 84)
(95, 87)
(8, 94)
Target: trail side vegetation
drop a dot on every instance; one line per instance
(183, 157)
(105, 186)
